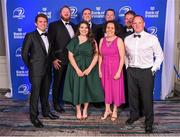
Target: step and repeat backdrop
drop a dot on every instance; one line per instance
(21, 14)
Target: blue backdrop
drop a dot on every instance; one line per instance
(21, 14)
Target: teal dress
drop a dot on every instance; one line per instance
(79, 90)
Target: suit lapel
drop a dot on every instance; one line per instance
(64, 27)
(40, 41)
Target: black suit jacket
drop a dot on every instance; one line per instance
(94, 29)
(127, 33)
(59, 38)
(35, 56)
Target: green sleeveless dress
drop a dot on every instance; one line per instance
(79, 90)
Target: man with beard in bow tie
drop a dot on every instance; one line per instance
(60, 32)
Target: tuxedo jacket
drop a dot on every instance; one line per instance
(35, 55)
(94, 29)
(59, 37)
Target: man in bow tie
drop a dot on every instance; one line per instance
(128, 18)
(36, 56)
(144, 57)
(60, 32)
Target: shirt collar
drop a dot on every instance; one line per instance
(40, 32)
(64, 22)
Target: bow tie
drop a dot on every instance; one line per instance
(45, 34)
(129, 30)
(137, 35)
(67, 23)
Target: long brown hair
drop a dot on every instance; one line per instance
(90, 35)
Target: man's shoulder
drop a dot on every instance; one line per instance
(55, 22)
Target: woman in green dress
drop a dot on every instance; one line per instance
(82, 84)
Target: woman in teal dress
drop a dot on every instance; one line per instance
(82, 84)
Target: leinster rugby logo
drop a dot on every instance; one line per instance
(19, 13)
(73, 11)
(152, 30)
(18, 52)
(23, 89)
(123, 10)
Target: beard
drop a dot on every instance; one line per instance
(65, 19)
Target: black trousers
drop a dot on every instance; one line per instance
(58, 84)
(40, 86)
(140, 88)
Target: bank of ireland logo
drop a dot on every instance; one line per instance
(123, 10)
(24, 89)
(18, 52)
(19, 13)
(73, 11)
(152, 30)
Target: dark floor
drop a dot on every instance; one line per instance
(14, 121)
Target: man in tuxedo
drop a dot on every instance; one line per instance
(110, 16)
(128, 18)
(61, 32)
(87, 16)
(144, 57)
(35, 54)
(128, 30)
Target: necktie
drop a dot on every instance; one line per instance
(45, 34)
(137, 35)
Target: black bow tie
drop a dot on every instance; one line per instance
(137, 35)
(45, 34)
(67, 23)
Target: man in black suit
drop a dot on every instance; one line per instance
(87, 16)
(109, 15)
(61, 32)
(128, 30)
(35, 54)
(128, 18)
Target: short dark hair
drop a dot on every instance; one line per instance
(109, 10)
(41, 15)
(140, 17)
(113, 22)
(65, 6)
(130, 12)
(86, 9)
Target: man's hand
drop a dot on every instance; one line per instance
(57, 64)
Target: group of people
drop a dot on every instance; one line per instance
(92, 63)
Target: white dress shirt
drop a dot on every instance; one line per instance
(69, 28)
(143, 52)
(45, 40)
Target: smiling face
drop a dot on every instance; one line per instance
(138, 24)
(109, 16)
(83, 29)
(87, 15)
(65, 14)
(41, 24)
(128, 20)
(110, 29)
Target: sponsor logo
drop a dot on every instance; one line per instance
(46, 12)
(98, 13)
(152, 30)
(73, 11)
(19, 34)
(152, 13)
(19, 13)
(22, 72)
(18, 52)
(24, 89)
(123, 10)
